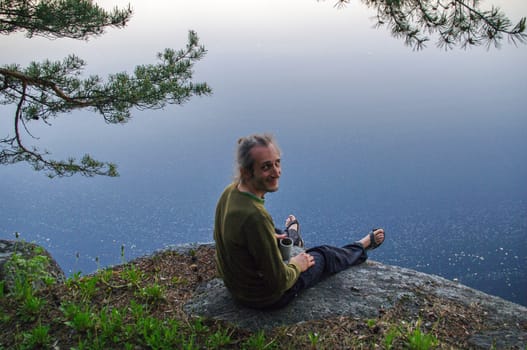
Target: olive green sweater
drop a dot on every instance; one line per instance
(247, 253)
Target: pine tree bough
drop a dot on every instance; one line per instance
(76, 19)
(47, 89)
(457, 23)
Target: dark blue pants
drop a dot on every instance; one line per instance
(328, 261)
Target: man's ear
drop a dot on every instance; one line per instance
(246, 174)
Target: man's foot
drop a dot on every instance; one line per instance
(292, 228)
(373, 239)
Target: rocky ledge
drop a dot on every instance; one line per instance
(362, 292)
(366, 291)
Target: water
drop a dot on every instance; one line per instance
(429, 145)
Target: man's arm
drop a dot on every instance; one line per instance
(264, 249)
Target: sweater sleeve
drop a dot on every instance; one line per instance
(264, 249)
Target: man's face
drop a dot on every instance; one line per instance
(266, 170)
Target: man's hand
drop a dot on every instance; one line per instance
(303, 260)
(279, 237)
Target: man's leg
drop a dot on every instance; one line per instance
(307, 279)
(328, 260)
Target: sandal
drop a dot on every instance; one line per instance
(374, 244)
(295, 234)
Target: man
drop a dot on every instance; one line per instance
(247, 253)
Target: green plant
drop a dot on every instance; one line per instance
(190, 344)
(28, 273)
(371, 323)
(91, 342)
(37, 338)
(219, 339)
(152, 293)
(137, 310)
(38, 267)
(31, 307)
(97, 342)
(392, 334)
(80, 318)
(313, 339)
(199, 327)
(22, 289)
(418, 340)
(88, 287)
(106, 276)
(111, 324)
(82, 344)
(258, 341)
(73, 279)
(129, 331)
(132, 275)
(4, 318)
(158, 334)
(123, 259)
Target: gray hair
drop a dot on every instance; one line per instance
(244, 160)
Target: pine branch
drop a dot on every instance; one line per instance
(47, 89)
(77, 19)
(456, 22)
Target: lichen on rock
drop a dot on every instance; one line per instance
(19, 258)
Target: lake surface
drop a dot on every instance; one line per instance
(430, 145)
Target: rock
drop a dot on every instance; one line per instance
(363, 292)
(48, 268)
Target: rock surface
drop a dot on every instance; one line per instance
(364, 291)
(27, 251)
(361, 292)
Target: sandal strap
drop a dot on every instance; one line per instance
(373, 244)
(291, 224)
(295, 234)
